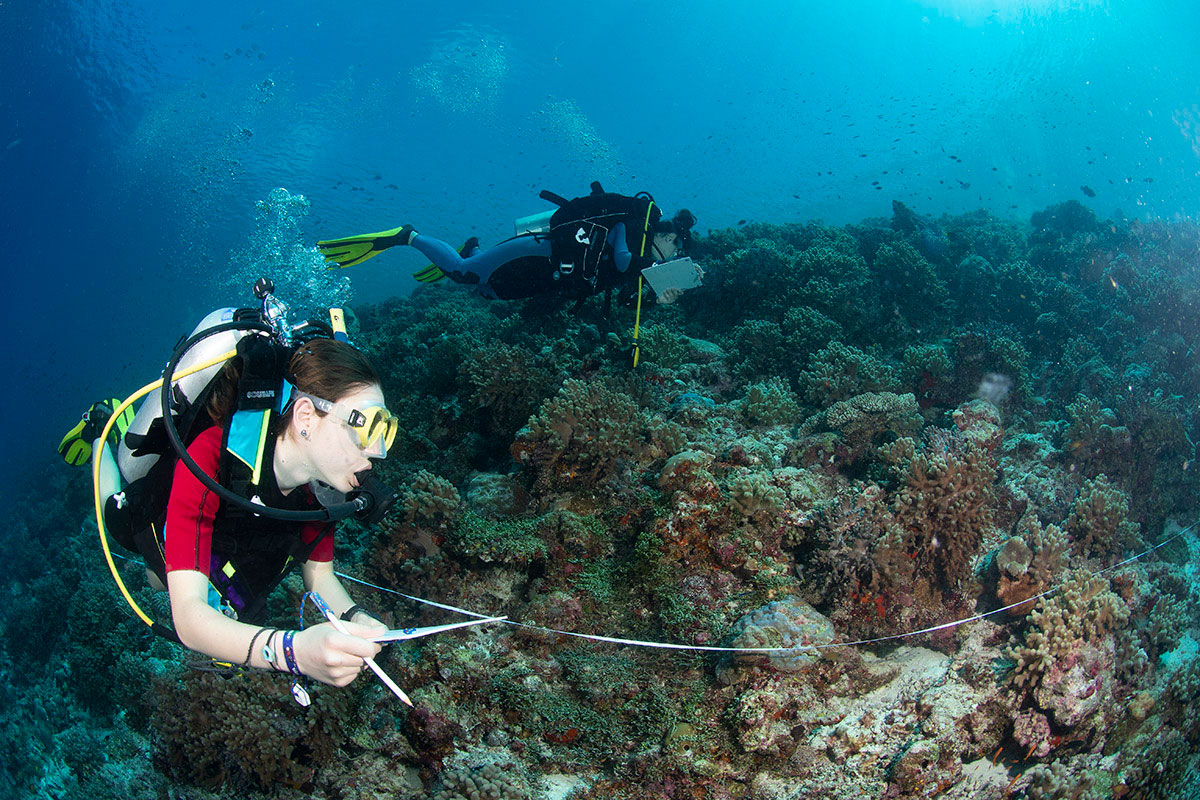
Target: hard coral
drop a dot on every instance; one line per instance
(918, 292)
(944, 506)
(839, 371)
(754, 495)
(1081, 612)
(585, 435)
(1099, 523)
(770, 403)
(502, 384)
(1029, 562)
(246, 730)
(489, 782)
(866, 420)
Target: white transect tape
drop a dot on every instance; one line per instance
(795, 649)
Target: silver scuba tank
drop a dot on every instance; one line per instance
(534, 223)
(133, 467)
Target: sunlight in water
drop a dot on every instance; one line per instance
(974, 12)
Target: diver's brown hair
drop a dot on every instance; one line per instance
(324, 368)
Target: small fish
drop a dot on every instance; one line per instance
(1089, 191)
(13, 144)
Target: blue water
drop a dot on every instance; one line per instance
(136, 139)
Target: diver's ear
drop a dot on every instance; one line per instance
(304, 415)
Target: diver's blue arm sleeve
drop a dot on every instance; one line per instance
(620, 249)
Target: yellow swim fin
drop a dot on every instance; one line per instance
(76, 445)
(356, 249)
(430, 274)
(74, 448)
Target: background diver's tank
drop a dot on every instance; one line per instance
(134, 467)
(534, 223)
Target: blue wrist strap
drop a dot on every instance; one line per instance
(289, 653)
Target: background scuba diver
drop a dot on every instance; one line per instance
(220, 563)
(591, 244)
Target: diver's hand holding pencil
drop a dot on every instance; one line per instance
(340, 626)
(335, 653)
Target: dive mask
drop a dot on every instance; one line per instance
(372, 424)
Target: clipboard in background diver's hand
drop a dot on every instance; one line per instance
(678, 273)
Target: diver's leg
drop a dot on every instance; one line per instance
(441, 254)
(482, 263)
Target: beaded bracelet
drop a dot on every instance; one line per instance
(289, 653)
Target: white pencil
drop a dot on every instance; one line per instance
(339, 627)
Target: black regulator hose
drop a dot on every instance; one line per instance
(332, 513)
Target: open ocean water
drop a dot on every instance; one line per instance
(139, 136)
(157, 156)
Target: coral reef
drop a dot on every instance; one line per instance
(850, 439)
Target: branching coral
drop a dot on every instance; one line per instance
(664, 346)
(758, 347)
(1029, 563)
(1159, 771)
(246, 730)
(429, 500)
(583, 436)
(806, 330)
(1058, 781)
(1099, 524)
(1093, 438)
(839, 371)
(511, 541)
(430, 505)
(866, 420)
(770, 403)
(489, 782)
(1083, 610)
(754, 496)
(502, 383)
(944, 507)
(918, 293)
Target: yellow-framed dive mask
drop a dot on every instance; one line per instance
(373, 424)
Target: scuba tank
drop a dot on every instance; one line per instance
(534, 223)
(188, 390)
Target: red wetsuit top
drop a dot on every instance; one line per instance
(193, 507)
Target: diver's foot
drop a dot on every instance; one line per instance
(406, 234)
(469, 278)
(470, 247)
(76, 446)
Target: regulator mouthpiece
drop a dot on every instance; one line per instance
(372, 499)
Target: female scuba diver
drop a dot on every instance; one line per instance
(589, 245)
(314, 439)
(221, 559)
